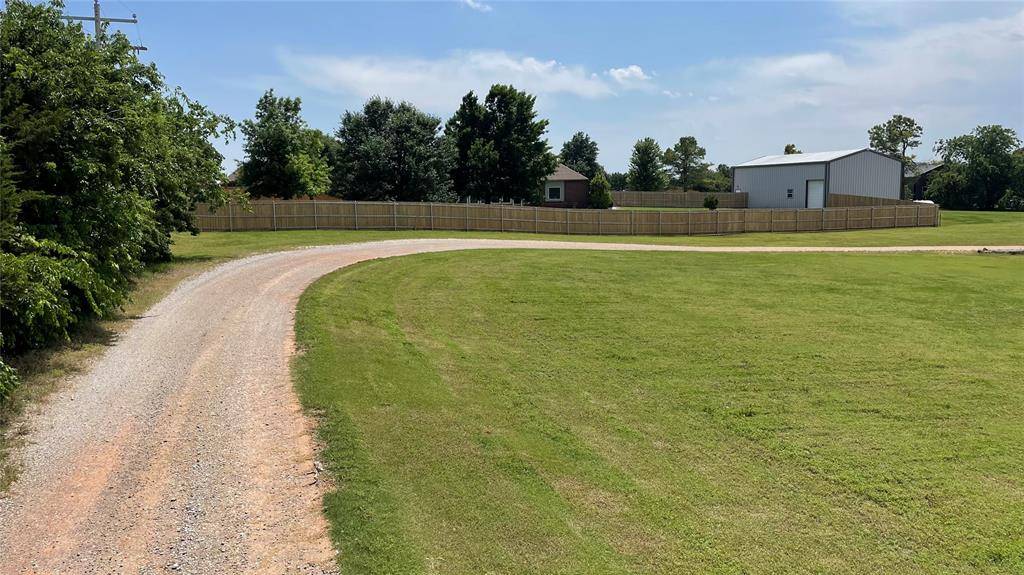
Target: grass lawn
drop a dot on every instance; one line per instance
(565, 412)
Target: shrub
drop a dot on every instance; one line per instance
(711, 202)
(47, 291)
(600, 193)
(8, 380)
(1012, 201)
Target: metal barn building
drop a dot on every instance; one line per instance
(808, 180)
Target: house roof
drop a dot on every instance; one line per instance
(921, 169)
(563, 172)
(805, 158)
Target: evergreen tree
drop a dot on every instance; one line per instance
(646, 171)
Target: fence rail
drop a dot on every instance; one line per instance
(676, 199)
(313, 215)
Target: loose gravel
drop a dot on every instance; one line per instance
(184, 449)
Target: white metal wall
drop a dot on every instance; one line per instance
(866, 174)
(767, 185)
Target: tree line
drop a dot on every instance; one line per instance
(100, 161)
(490, 150)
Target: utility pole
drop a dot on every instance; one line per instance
(99, 21)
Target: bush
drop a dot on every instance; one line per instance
(8, 380)
(47, 291)
(600, 193)
(711, 202)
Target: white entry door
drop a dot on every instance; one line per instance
(815, 193)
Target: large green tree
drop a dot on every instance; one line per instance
(580, 154)
(646, 171)
(618, 180)
(791, 149)
(500, 150)
(983, 170)
(101, 161)
(896, 137)
(685, 161)
(284, 158)
(392, 152)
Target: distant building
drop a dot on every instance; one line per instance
(918, 176)
(566, 188)
(808, 180)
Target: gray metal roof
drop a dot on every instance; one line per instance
(563, 172)
(805, 158)
(921, 169)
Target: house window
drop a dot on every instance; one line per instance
(554, 193)
(789, 193)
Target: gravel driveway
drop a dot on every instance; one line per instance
(184, 449)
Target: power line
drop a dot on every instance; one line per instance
(99, 21)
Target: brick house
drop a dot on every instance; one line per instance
(566, 188)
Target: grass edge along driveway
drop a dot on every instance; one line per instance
(568, 412)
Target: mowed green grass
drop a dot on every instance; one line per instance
(958, 228)
(568, 412)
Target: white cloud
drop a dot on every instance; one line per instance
(949, 76)
(439, 84)
(671, 94)
(478, 6)
(630, 77)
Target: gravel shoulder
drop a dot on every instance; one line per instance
(184, 448)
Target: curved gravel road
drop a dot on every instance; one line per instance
(184, 449)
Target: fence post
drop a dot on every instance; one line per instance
(501, 217)
(743, 220)
(822, 219)
(846, 218)
(718, 222)
(917, 216)
(316, 224)
(355, 213)
(394, 215)
(534, 219)
(273, 214)
(771, 220)
(659, 222)
(431, 215)
(566, 212)
(231, 219)
(895, 214)
(598, 223)
(871, 224)
(689, 223)
(467, 216)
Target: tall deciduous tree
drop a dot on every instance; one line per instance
(500, 148)
(284, 158)
(983, 170)
(685, 160)
(791, 149)
(646, 171)
(896, 137)
(101, 161)
(580, 154)
(391, 152)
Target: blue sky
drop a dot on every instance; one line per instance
(744, 78)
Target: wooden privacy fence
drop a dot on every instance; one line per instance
(339, 215)
(676, 199)
(849, 201)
